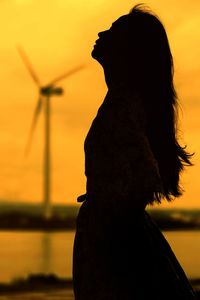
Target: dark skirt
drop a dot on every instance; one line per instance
(124, 257)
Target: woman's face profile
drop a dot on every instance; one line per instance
(111, 42)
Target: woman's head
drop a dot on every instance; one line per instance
(135, 48)
(112, 43)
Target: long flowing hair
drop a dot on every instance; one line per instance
(155, 71)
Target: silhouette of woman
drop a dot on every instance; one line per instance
(132, 159)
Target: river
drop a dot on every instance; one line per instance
(22, 253)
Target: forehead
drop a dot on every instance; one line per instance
(121, 22)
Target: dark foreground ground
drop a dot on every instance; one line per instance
(64, 294)
(39, 287)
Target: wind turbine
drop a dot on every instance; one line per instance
(45, 93)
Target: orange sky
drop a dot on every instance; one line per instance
(58, 35)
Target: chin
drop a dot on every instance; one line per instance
(94, 52)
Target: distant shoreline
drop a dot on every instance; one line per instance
(63, 229)
(25, 222)
(29, 217)
(35, 282)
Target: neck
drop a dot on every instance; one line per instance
(119, 78)
(113, 81)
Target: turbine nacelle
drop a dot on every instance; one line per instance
(50, 90)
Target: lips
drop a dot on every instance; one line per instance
(97, 41)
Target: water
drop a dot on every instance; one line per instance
(186, 246)
(22, 253)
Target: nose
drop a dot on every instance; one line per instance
(102, 33)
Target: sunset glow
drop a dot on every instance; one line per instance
(58, 36)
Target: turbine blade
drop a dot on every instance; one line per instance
(28, 65)
(67, 74)
(33, 125)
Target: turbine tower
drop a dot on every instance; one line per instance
(45, 93)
